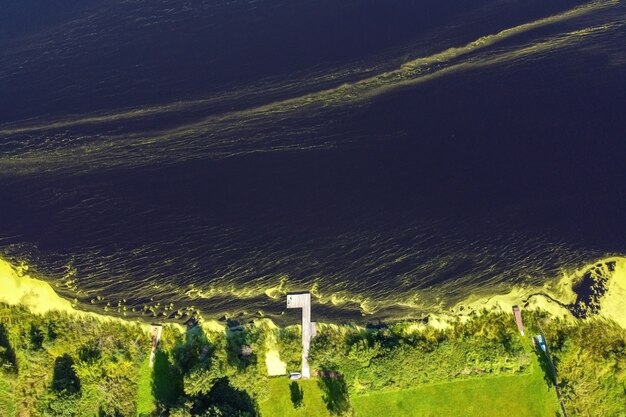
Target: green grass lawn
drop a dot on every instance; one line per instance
(145, 399)
(504, 396)
(280, 404)
(7, 399)
(525, 395)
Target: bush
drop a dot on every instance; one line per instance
(384, 358)
(591, 368)
(290, 346)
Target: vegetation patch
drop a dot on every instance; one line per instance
(590, 359)
(7, 399)
(500, 396)
(60, 365)
(280, 402)
(145, 398)
(70, 366)
(394, 358)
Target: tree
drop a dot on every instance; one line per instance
(61, 406)
(290, 346)
(200, 381)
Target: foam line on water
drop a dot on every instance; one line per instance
(18, 288)
(351, 92)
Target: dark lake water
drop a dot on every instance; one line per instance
(392, 157)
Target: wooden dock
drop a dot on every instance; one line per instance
(155, 334)
(303, 301)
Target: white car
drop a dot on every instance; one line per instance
(295, 375)
(541, 342)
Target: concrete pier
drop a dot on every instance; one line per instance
(303, 301)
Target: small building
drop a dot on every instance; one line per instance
(518, 319)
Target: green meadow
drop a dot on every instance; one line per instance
(279, 403)
(525, 395)
(502, 396)
(145, 399)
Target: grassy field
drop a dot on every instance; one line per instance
(7, 404)
(519, 396)
(525, 395)
(280, 404)
(145, 399)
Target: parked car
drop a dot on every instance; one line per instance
(541, 343)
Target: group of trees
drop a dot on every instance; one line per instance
(391, 357)
(589, 356)
(590, 360)
(210, 375)
(70, 366)
(289, 341)
(59, 365)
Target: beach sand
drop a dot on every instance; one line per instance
(18, 288)
(612, 305)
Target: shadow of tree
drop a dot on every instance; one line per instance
(297, 394)
(546, 367)
(191, 376)
(90, 352)
(335, 395)
(102, 413)
(64, 378)
(8, 359)
(225, 400)
(239, 352)
(194, 351)
(36, 337)
(167, 381)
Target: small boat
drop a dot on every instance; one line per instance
(295, 375)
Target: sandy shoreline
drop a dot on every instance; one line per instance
(558, 298)
(17, 287)
(38, 296)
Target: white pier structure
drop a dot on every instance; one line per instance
(303, 301)
(155, 335)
